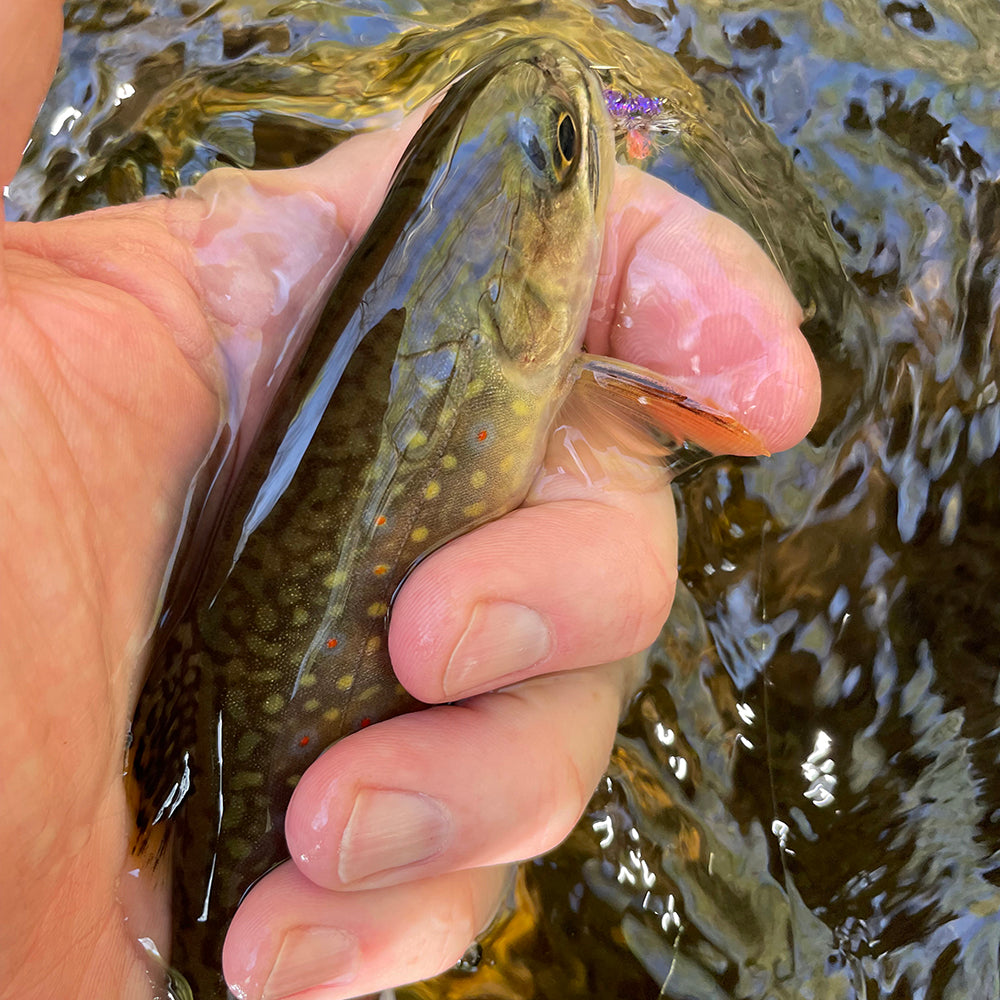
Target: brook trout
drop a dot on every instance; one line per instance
(419, 408)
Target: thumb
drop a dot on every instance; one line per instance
(32, 32)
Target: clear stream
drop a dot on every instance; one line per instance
(804, 800)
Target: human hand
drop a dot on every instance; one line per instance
(118, 332)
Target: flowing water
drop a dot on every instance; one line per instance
(804, 801)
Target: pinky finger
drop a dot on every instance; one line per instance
(291, 940)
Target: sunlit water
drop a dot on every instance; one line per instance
(804, 801)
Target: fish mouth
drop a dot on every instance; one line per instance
(593, 165)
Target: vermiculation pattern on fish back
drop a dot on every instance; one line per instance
(236, 646)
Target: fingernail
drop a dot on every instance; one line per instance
(390, 829)
(501, 638)
(312, 956)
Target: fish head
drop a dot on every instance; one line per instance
(556, 179)
(520, 157)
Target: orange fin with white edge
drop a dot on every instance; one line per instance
(642, 398)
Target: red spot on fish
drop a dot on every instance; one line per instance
(365, 722)
(380, 520)
(381, 569)
(482, 435)
(330, 643)
(304, 742)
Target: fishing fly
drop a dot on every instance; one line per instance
(638, 120)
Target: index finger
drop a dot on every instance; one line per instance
(687, 293)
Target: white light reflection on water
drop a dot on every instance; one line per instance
(637, 872)
(122, 92)
(607, 827)
(670, 918)
(68, 114)
(664, 735)
(818, 771)
(780, 830)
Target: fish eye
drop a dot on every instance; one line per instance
(550, 142)
(566, 134)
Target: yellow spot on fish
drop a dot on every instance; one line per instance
(369, 693)
(381, 569)
(307, 680)
(520, 407)
(332, 714)
(311, 705)
(474, 509)
(477, 479)
(335, 579)
(377, 609)
(417, 440)
(238, 847)
(261, 648)
(373, 644)
(299, 616)
(419, 534)
(247, 779)
(265, 619)
(249, 742)
(433, 489)
(448, 462)
(345, 682)
(273, 703)
(507, 463)
(293, 780)
(474, 388)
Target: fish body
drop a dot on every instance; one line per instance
(419, 408)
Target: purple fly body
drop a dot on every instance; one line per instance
(632, 106)
(636, 117)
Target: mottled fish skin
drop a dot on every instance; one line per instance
(419, 409)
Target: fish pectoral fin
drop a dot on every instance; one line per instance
(642, 399)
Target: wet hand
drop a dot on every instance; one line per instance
(121, 332)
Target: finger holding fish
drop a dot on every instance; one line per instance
(466, 824)
(534, 556)
(687, 293)
(393, 814)
(349, 944)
